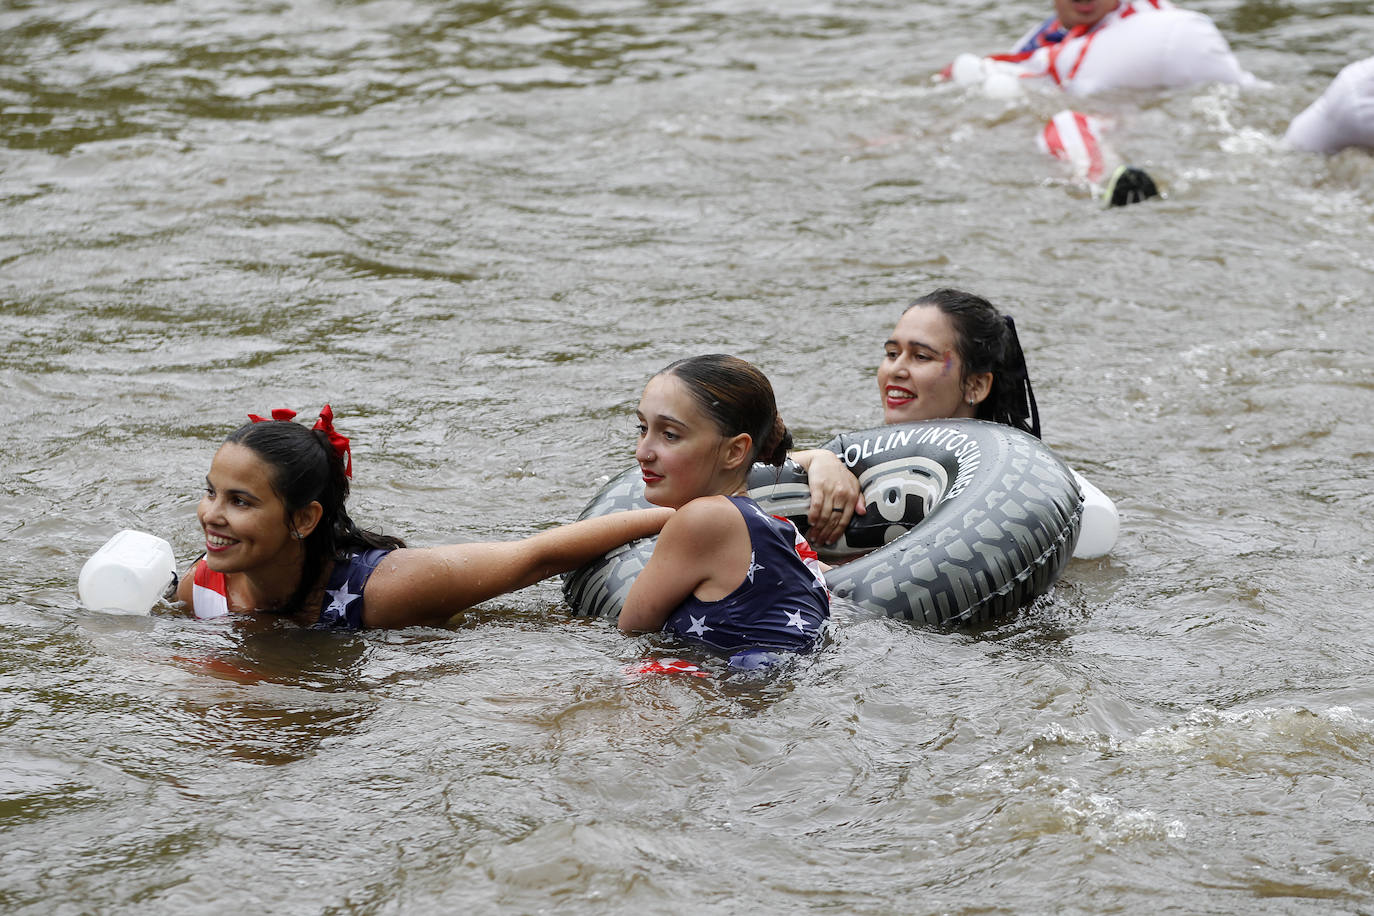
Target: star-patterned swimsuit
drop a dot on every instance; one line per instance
(781, 605)
(342, 608)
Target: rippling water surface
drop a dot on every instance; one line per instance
(476, 229)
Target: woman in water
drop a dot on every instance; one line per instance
(723, 572)
(951, 355)
(279, 540)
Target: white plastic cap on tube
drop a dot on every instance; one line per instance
(1101, 522)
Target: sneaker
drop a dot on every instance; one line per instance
(1128, 185)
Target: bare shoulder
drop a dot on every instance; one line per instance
(186, 584)
(705, 527)
(703, 517)
(409, 586)
(398, 571)
(407, 578)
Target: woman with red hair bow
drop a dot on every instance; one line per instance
(278, 539)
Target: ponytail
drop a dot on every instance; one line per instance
(774, 450)
(1012, 399)
(987, 342)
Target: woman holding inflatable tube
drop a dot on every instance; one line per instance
(951, 355)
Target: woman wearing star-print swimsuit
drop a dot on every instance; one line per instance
(278, 539)
(341, 605)
(723, 572)
(781, 605)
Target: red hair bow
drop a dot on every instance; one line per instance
(278, 413)
(340, 443)
(325, 423)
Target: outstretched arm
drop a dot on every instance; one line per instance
(427, 586)
(832, 486)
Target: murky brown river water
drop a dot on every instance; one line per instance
(476, 229)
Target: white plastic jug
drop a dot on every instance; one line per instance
(128, 574)
(1101, 522)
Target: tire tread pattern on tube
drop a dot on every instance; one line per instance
(966, 523)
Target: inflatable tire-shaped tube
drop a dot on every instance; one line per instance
(967, 521)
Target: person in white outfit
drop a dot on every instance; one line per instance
(1090, 46)
(1341, 117)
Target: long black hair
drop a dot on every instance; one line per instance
(987, 342)
(305, 468)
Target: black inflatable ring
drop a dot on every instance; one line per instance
(966, 522)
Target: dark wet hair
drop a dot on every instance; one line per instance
(739, 398)
(987, 342)
(305, 469)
